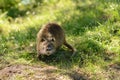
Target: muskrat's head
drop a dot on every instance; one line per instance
(46, 44)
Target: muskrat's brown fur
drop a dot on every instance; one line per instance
(50, 38)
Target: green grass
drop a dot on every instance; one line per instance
(91, 26)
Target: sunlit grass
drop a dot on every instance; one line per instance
(92, 27)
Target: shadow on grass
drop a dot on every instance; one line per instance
(15, 12)
(61, 59)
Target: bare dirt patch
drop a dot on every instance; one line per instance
(114, 71)
(26, 72)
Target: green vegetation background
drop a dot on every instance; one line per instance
(91, 26)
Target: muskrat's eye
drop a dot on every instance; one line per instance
(42, 40)
(52, 39)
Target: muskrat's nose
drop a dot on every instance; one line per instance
(49, 47)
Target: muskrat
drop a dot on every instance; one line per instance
(50, 38)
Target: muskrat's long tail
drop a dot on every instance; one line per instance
(70, 47)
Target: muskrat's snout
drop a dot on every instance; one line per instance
(49, 47)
